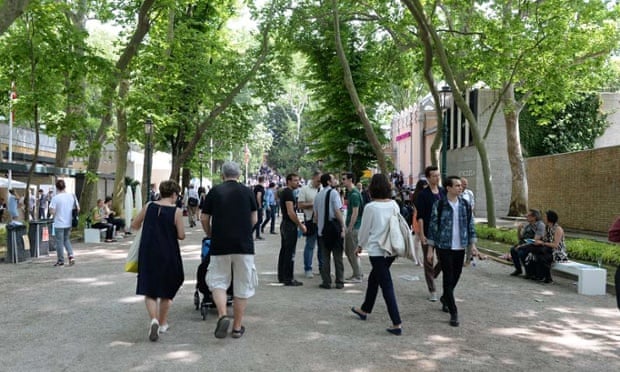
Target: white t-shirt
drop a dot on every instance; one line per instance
(62, 204)
(307, 195)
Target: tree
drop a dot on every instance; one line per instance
(10, 10)
(573, 128)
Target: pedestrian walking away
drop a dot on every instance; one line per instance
(61, 208)
(160, 267)
(228, 217)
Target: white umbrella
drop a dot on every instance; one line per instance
(139, 199)
(4, 182)
(128, 205)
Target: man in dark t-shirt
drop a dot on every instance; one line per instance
(288, 232)
(228, 214)
(424, 205)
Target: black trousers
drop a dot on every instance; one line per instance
(286, 259)
(452, 266)
(256, 227)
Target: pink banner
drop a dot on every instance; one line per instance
(401, 137)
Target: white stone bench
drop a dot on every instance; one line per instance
(95, 235)
(591, 280)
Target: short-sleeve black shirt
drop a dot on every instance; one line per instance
(230, 206)
(424, 204)
(287, 195)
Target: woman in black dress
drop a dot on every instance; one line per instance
(160, 268)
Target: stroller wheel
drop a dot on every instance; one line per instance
(196, 299)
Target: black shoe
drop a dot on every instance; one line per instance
(293, 283)
(339, 285)
(454, 320)
(325, 286)
(546, 280)
(516, 273)
(444, 307)
(59, 263)
(395, 331)
(260, 238)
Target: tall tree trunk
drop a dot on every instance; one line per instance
(10, 10)
(75, 86)
(122, 148)
(109, 93)
(417, 10)
(518, 196)
(350, 84)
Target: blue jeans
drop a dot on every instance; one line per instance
(309, 250)
(63, 240)
(270, 215)
(518, 256)
(380, 276)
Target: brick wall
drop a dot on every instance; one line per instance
(582, 187)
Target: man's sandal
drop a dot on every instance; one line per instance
(237, 333)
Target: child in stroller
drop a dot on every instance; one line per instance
(201, 283)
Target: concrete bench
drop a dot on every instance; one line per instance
(591, 280)
(95, 235)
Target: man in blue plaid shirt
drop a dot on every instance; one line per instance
(452, 231)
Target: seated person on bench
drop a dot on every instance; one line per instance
(533, 229)
(97, 216)
(110, 215)
(551, 248)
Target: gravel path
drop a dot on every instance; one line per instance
(87, 317)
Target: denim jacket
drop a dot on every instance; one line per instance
(442, 239)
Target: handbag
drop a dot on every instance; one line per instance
(331, 227)
(131, 263)
(74, 214)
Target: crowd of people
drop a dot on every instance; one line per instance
(335, 224)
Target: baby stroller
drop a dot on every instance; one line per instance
(201, 283)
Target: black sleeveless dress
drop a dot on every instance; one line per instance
(160, 267)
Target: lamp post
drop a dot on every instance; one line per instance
(148, 131)
(445, 102)
(350, 151)
(200, 155)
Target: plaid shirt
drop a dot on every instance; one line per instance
(442, 239)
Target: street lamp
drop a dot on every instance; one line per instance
(350, 151)
(148, 131)
(200, 155)
(445, 103)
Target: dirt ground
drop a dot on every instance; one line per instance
(87, 317)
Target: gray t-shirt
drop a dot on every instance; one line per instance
(319, 206)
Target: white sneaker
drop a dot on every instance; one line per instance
(353, 279)
(433, 297)
(309, 275)
(154, 330)
(164, 328)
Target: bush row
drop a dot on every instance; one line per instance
(579, 249)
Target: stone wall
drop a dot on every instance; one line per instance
(582, 187)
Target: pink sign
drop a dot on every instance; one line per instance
(401, 137)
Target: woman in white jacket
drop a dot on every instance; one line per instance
(375, 220)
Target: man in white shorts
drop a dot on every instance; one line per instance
(228, 215)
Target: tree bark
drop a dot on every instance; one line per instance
(122, 148)
(130, 51)
(10, 10)
(350, 84)
(518, 196)
(416, 9)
